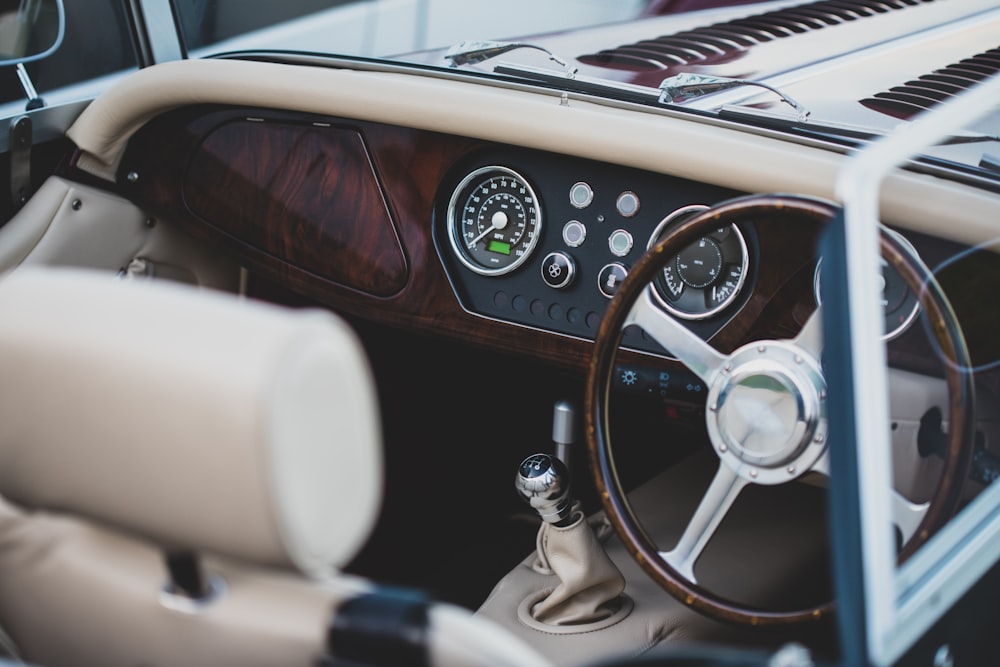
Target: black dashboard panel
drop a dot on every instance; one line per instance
(593, 216)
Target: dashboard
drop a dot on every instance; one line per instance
(508, 247)
(339, 210)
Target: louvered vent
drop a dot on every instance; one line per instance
(939, 86)
(723, 42)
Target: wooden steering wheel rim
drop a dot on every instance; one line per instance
(944, 328)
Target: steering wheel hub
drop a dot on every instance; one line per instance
(767, 412)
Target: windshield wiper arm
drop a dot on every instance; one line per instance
(472, 52)
(683, 87)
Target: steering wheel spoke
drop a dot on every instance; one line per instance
(700, 357)
(722, 492)
(810, 339)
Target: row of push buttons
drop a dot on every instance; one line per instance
(533, 310)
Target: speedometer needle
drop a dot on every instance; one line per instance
(497, 222)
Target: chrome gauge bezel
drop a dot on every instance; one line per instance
(675, 217)
(459, 198)
(899, 330)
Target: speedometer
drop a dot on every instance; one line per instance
(494, 220)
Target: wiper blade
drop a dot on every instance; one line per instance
(684, 87)
(471, 52)
(581, 84)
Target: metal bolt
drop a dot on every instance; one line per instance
(791, 470)
(761, 349)
(798, 359)
(723, 448)
(77, 204)
(132, 177)
(753, 473)
(818, 439)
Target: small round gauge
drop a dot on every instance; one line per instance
(494, 220)
(900, 305)
(706, 276)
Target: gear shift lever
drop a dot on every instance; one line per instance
(587, 588)
(543, 482)
(563, 430)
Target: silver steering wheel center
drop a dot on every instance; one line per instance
(767, 412)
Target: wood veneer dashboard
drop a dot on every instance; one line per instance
(351, 214)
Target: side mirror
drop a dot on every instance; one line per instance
(30, 29)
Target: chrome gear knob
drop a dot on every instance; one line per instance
(543, 482)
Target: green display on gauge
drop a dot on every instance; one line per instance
(499, 246)
(494, 220)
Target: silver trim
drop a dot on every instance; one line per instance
(188, 605)
(570, 270)
(688, 86)
(759, 455)
(620, 234)
(47, 123)
(577, 225)
(911, 316)
(898, 606)
(581, 186)
(471, 52)
(677, 216)
(625, 196)
(461, 252)
(600, 281)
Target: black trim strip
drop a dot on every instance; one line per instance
(385, 628)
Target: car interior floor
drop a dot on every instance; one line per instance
(457, 421)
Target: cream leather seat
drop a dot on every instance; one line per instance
(145, 424)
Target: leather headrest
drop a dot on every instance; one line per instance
(195, 419)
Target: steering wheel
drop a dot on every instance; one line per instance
(781, 379)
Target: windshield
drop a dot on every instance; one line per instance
(756, 57)
(374, 28)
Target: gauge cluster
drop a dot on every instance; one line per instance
(707, 276)
(545, 241)
(900, 305)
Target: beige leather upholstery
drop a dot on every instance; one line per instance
(180, 396)
(144, 416)
(767, 553)
(71, 224)
(587, 586)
